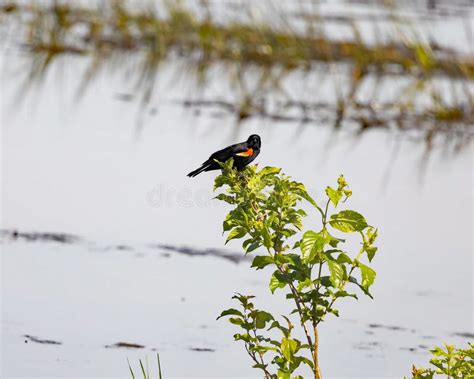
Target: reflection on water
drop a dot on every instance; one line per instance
(283, 62)
(112, 266)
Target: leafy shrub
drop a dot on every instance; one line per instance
(312, 266)
(452, 362)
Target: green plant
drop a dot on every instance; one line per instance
(144, 368)
(452, 362)
(313, 266)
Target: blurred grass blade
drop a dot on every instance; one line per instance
(159, 366)
(130, 368)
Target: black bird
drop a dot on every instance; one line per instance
(243, 153)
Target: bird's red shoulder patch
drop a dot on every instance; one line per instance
(246, 153)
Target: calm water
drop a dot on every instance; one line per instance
(82, 168)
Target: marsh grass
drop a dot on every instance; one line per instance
(115, 30)
(144, 369)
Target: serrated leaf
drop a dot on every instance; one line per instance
(348, 221)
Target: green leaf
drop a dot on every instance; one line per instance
(306, 360)
(236, 321)
(348, 221)
(230, 312)
(264, 349)
(301, 212)
(228, 164)
(333, 241)
(220, 181)
(228, 223)
(253, 246)
(371, 250)
(312, 244)
(261, 318)
(344, 258)
(275, 282)
(336, 271)
(269, 171)
(354, 280)
(261, 261)
(242, 337)
(334, 312)
(371, 235)
(368, 276)
(223, 197)
(276, 324)
(333, 195)
(305, 283)
(259, 365)
(237, 232)
(267, 238)
(300, 190)
(345, 294)
(283, 375)
(288, 348)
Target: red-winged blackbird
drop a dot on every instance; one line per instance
(243, 153)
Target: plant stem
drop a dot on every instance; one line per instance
(300, 312)
(259, 353)
(297, 302)
(254, 358)
(325, 213)
(317, 371)
(252, 354)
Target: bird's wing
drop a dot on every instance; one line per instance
(246, 153)
(239, 149)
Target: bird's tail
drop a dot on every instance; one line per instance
(198, 170)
